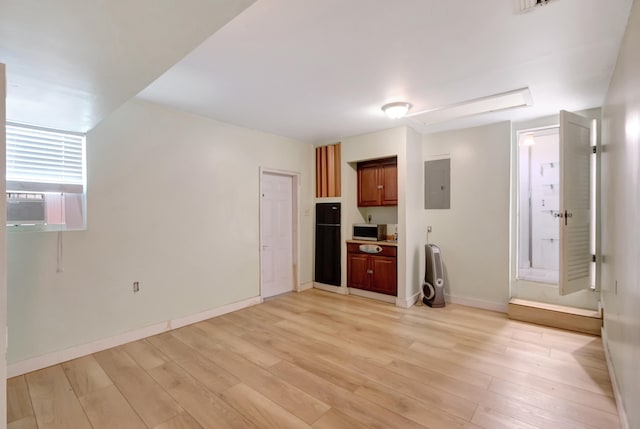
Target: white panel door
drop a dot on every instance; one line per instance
(575, 203)
(276, 234)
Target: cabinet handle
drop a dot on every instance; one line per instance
(380, 186)
(369, 271)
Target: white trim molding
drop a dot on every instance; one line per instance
(478, 303)
(409, 302)
(305, 286)
(622, 412)
(39, 362)
(330, 288)
(372, 295)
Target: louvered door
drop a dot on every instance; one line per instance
(575, 203)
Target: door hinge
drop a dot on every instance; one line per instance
(593, 258)
(594, 149)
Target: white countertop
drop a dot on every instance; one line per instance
(379, 243)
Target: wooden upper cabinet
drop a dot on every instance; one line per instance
(378, 183)
(390, 184)
(368, 180)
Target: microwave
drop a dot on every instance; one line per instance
(369, 232)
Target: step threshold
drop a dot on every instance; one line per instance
(556, 316)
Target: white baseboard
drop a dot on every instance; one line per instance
(372, 295)
(54, 358)
(622, 413)
(478, 303)
(331, 288)
(305, 286)
(407, 303)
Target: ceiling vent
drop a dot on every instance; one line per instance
(529, 5)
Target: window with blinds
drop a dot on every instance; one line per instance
(45, 178)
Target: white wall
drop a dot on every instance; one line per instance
(3, 258)
(620, 214)
(474, 233)
(415, 234)
(173, 202)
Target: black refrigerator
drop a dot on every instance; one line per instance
(328, 244)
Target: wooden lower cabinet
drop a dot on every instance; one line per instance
(375, 272)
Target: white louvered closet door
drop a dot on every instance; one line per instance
(575, 203)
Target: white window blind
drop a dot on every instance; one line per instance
(37, 156)
(45, 179)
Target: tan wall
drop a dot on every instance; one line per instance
(173, 202)
(474, 234)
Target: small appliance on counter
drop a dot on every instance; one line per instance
(433, 286)
(369, 232)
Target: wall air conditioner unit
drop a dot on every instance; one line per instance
(25, 209)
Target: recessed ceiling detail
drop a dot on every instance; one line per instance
(491, 103)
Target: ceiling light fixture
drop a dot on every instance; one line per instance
(396, 110)
(528, 140)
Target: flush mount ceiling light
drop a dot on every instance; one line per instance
(492, 103)
(396, 110)
(528, 140)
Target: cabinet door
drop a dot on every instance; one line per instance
(358, 270)
(389, 180)
(368, 181)
(383, 278)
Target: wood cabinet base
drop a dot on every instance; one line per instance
(375, 272)
(372, 295)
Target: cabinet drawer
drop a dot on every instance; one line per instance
(386, 250)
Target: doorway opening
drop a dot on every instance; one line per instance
(539, 205)
(279, 241)
(555, 241)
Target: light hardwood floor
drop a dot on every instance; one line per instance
(322, 360)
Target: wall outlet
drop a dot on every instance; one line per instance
(428, 229)
(136, 287)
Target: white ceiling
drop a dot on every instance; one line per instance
(313, 70)
(319, 70)
(72, 62)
